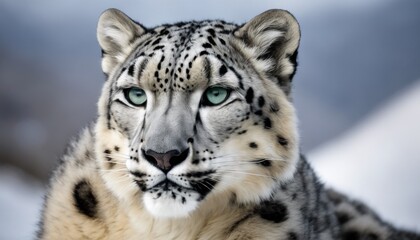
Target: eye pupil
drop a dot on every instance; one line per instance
(135, 96)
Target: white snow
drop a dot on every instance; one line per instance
(378, 161)
(20, 204)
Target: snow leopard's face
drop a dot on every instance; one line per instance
(196, 111)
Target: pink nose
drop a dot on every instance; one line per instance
(165, 161)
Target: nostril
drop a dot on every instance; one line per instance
(149, 157)
(165, 161)
(175, 160)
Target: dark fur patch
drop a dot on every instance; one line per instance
(343, 217)
(249, 95)
(222, 70)
(206, 45)
(131, 70)
(350, 235)
(211, 41)
(84, 199)
(261, 101)
(258, 112)
(253, 145)
(274, 211)
(110, 161)
(203, 187)
(282, 141)
(267, 123)
(292, 236)
(141, 184)
(264, 162)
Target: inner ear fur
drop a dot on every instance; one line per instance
(116, 34)
(274, 35)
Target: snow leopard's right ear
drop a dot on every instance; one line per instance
(116, 34)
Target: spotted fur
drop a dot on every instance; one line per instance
(178, 167)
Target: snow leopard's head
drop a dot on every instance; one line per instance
(196, 112)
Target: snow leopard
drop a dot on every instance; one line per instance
(196, 138)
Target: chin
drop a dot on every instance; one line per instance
(170, 204)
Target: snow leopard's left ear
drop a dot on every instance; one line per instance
(273, 35)
(116, 34)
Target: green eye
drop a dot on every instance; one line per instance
(135, 96)
(215, 96)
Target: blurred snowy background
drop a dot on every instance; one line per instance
(357, 91)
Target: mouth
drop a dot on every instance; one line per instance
(200, 183)
(168, 185)
(177, 195)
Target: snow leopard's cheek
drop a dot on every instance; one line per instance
(127, 120)
(221, 122)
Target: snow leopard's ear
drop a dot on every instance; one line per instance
(273, 36)
(116, 34)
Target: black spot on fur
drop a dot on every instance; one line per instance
(116, 148)
(212, 32)
(343, 217)
(141, 184)
(157, 41)
(211, 40)
(107, 151)
(292, 236)
(206, 45)
(282, 141)
(222, 41)
(242, 132)
(351, 235)
(258, 112)
(253, 145)
(267, 123)
(264, 162)
(111, 163)
(372, 236)
(261, 101)
(138, 174)
(131, 70)
(249, 95)
(84, 199)
(158, 47)
(222, 70)
(274, 211)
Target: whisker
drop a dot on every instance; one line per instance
(117, 154)
(114, 170)
(203, 184)
(251, 174)
(115, 162)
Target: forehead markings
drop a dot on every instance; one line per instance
(181, 44)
